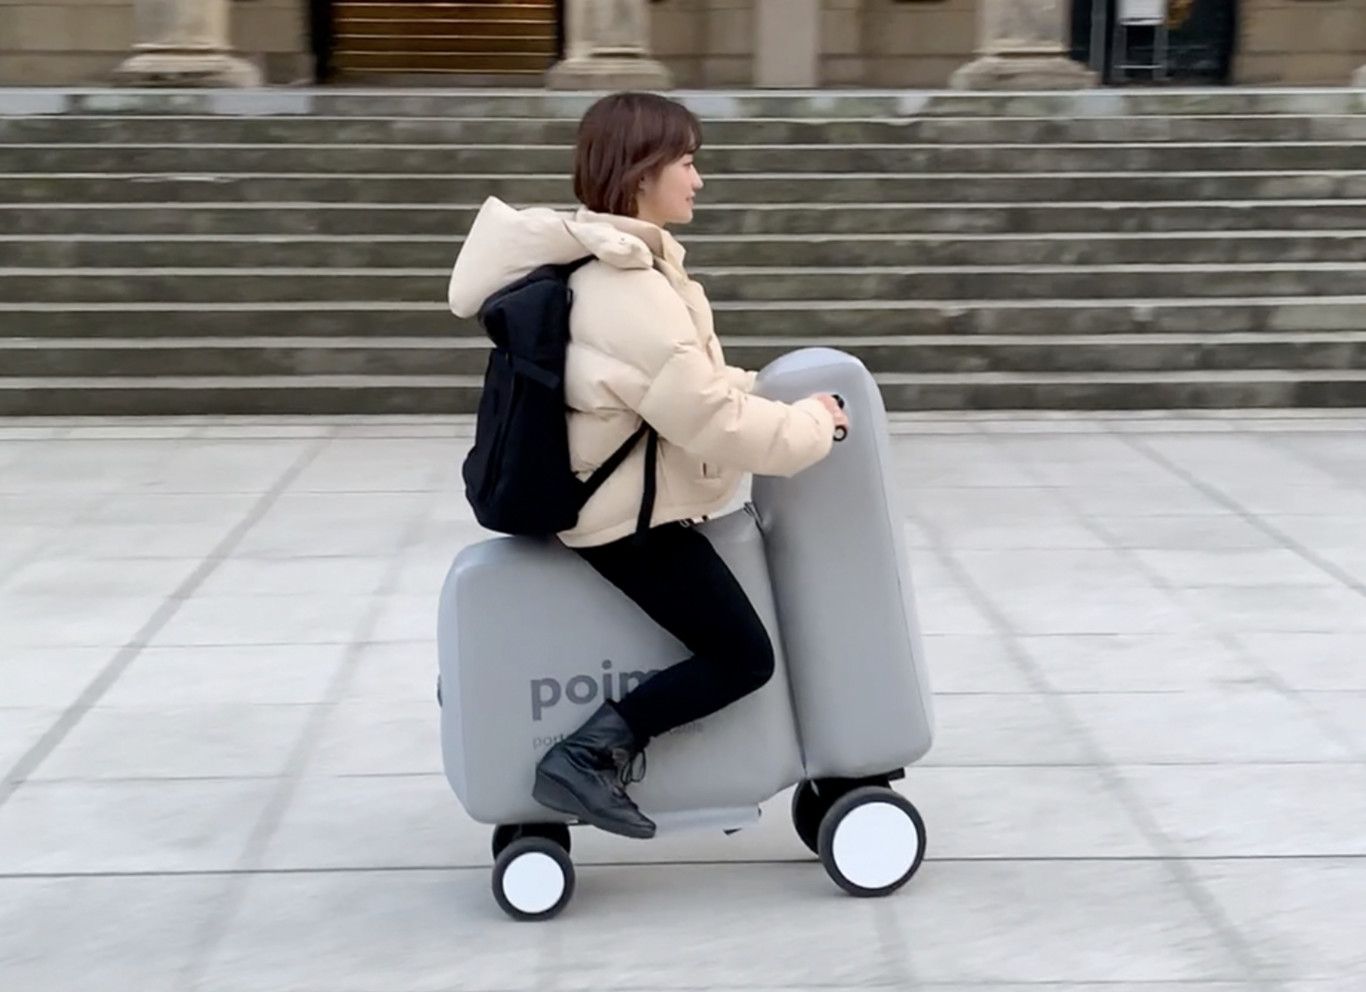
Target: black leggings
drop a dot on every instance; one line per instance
(675, 575)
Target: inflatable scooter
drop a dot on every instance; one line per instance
(821, 556)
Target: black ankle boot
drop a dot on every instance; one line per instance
(586, 775)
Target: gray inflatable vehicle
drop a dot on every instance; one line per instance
(822, 558)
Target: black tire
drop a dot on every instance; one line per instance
(506, 833)
(839, 851)
(812, 799)
(536, 893)
(808, 809)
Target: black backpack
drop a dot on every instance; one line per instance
(518, 477)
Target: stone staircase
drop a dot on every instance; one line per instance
(287, 251)
(510, 40)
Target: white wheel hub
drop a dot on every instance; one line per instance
(875, 845)
(533, 882)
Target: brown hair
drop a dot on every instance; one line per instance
(625, 138)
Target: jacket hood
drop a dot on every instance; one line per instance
(505, 244)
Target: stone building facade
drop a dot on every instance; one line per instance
(699, 43)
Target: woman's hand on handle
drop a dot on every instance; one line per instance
(836, 410)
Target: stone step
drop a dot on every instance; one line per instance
(829, 188)
(227, 395)
(275, 356)
(775, 158)
(450, 219)
(291, 394)
(744, 104)
(741, 284)
(1124, 390)
(838, 318)
(398, 251)
(104, 128)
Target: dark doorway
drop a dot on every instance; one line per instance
(1202, 38)
(438, 42)
(320, 37)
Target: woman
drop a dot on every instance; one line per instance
(643, 349)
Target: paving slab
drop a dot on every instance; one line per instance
(1301, 915)
(156, 827)
(133, 932)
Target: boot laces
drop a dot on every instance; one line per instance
(632, 770)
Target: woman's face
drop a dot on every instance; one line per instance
(667, 197)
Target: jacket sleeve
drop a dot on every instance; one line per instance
(699, 406)
(741, 379)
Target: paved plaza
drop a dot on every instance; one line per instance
(1146, 634)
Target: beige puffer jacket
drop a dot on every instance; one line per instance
(642, 347)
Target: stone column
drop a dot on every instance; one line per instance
(1022, 46)
(607, 48)
(787, 43)
(184, 43)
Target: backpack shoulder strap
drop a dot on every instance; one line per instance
(599, 476)
(569, 268)
(647, 500)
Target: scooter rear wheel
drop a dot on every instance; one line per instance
(506, 833)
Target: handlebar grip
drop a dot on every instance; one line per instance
(840, 432)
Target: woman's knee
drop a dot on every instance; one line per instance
(755, 662)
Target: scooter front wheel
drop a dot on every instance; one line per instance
(872, 841)
(812, 799)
